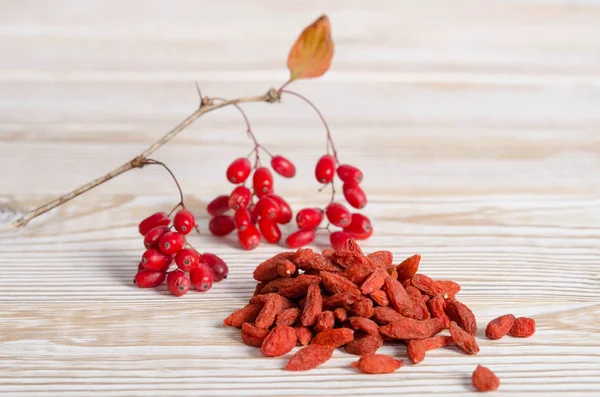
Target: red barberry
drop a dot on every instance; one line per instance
(187, 259)
(171, 242)
(158, 219)
(283, 166)
(242, 218)
(201, 278)
(184, 221)
(153, 236)
(267, 208)
(262, 181)
(238, 170)
(249, 238)
(218, 206)
(178, 283)
(154, 260)
(354, 195)
(149, 278)
(221, 225)
(269, 230)
(300, 238)
(253, 214)
(325, 169)
(239, 198)
(350, 174)
(285, 211)
(360, 227)
(309, 218)
(338, 214)
(216, 264)
(339, 240)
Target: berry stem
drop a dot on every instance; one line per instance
(311, 104)
(156, 162)
(206, 106)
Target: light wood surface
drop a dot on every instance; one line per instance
(477, 124)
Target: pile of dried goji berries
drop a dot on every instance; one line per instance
(345, 298)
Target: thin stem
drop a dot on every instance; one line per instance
(280, 90)
(329, 136)
(156, 162)
(138, 162)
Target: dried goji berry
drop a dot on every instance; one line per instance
(286, 269)
(313, 306)
(299, 286)
(309, 357)
(334, 337)
(288, 316)
(377, 364)
(426, 285)
(275, 285)
(408, 328)
(374, 281)
(436, 308)
(386, 315)
(340, 314)
(247, 314)
(353, 246)
(464, 340)
(253, 336)
(307, 259)
(364, 324)
(335, 284)
(381, 258)
(347, 259)
(362, 308)
(364, 345)
(398, 297)
(420, 311)
(272, 307)
(500, 326)
(303, 334)
(267, 270)
(415, 350)
(325, 321)
(412, 291)
(408, 267)
(462, 315)
(380, 297)
(343, 299)
(449, 287)
(281, 340)
(357, 274)
(484, 379)
(523, 327)
(435, 342)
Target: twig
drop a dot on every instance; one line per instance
(138, 162)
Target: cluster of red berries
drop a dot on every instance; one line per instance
(354, 225)
(257, 211)
(165, 246)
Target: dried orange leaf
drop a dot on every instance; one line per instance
(312, 52)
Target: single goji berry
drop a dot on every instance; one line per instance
(253, 336)
(281, 340)
(334, 337)
(415, 350)
(523, 327)
(364, 345)
(325, 321)
(309, 357)
(377, 364)
(408, 328)
(313, 306)
(484, 379)
(462, 315)
(464, 340)
(500, 326)
(407, 268)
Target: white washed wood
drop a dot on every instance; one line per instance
(476, 123)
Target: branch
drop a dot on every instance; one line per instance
(206, 105)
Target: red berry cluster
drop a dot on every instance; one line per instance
(354, 225)
(165, 246)
(257, 211)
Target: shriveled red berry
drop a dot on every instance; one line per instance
(202, 278)
(267, 208)
(184, 221)
(154, 260)
(239, 198)
(285, 211)
(218, 206)
(338, 214)
(187, 259)
(216, 264)
(242, 218)
(283, 166)
(262, 181)
(170, 243)
(269, 230)
(300, 238)
(360, 227)
(178, 283)
(221, 225)
(350, 174)
(153, 236)
(325, 169)
(149, 278)
(249, 238)
(309, 218)
(354, 195)
(339, 240)
(238, 170)
(158, 219)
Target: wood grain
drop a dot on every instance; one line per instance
(476, 124)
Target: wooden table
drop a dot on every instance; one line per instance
(477, 125)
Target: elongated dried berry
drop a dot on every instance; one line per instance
(303, 334)
(313, 306)
(364, 324)
(340, 314)
(377, 364)
(426, 285)
(364, 345)
(247, 314)
(484, 379)
(309, 357)
(253, 336)
(500, 326)
(335, 284)
(382, 258)
(334, 337)
(408, 328)
(398, 297)
(363, 307)
(435, 342)
(436, 308)
(408, 267)
(267, 270)
(374, 281)
(385, 315)
(465, 341)
(288, 316)
(462, 315)
(523, 327)
(380, 297)
(415, 350)
(325, 321)
(281, 340)
(299, 286)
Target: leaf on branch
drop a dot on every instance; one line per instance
(312, 52)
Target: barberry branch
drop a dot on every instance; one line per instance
(181, 203)
(206, 105)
